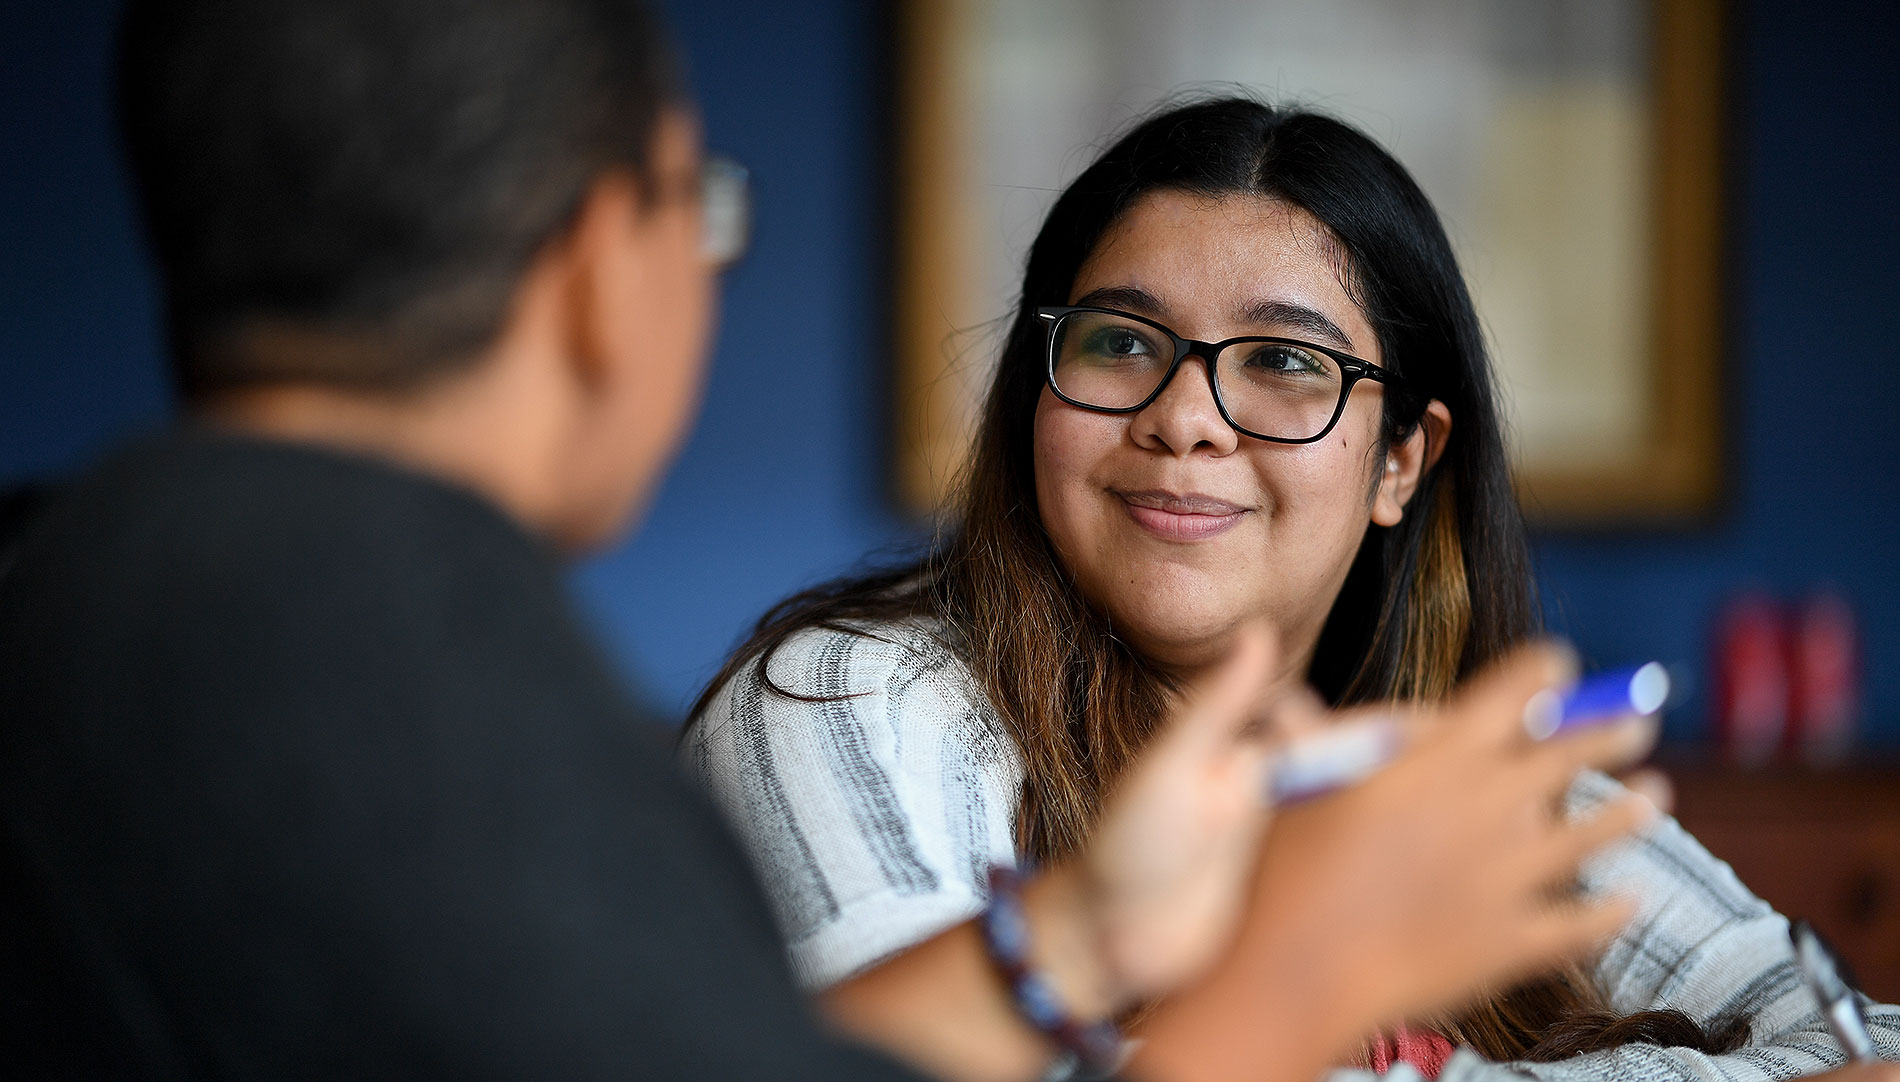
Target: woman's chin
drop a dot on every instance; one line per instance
(1174, 643)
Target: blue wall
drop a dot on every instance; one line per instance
(1814, 320)
(78, 337)
(784, 481)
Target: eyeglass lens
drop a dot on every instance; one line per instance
(1277, 389)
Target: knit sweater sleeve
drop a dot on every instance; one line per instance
(1703, 944)
(870, 785)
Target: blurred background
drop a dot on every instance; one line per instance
(789, 478)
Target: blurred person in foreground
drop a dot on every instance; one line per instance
(308, 770)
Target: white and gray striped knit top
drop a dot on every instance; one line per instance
(872, 812)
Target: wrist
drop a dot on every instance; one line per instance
(1258, 1026)
(1275, 1008)
(1068, 944)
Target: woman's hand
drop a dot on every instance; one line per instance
(1439, 876)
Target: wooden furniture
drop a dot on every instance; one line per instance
(1820, 844)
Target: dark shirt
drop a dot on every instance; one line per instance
(307, 770)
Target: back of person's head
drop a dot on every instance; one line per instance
(361, 184)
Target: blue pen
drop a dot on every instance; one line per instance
(1641, 690)
(1348, 753)
(1337, 757)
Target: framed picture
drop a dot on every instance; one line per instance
(1573, 148)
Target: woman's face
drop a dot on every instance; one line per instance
(1173, 523)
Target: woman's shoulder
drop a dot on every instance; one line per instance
(869, 782)
(856, 657)
(888, 679)
(913, 659)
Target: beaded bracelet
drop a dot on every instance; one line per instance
(1098, 1047)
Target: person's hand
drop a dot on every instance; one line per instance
(1876, 1071)
(1165, 872)
(1444, 873)
(1439, 876)
(1149, 901)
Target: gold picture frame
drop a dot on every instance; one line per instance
(1668, 463)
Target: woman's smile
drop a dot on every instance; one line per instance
(1183, 517)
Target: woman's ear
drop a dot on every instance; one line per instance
(1406, 462)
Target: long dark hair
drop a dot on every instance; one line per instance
(1425, 602)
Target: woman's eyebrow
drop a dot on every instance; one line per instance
(1308, 321)
(1131, 298)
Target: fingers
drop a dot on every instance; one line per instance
(1653, 786)
(1571, 844)
(1875, 1071)
(1568, 930)
(1608, 746)
(1490, 709)
(1224, 703)
(1296, 715)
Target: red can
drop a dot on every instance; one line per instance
(1749, 696)
(1824, 692)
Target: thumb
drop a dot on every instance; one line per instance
(1225, 701)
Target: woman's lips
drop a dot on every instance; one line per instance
(1175, 517)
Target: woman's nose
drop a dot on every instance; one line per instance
(1185, 417)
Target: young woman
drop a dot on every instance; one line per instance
(1244, 381)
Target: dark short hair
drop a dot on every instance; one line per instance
(376, 172)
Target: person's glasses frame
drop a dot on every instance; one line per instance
(1352, 369)
(725, 207)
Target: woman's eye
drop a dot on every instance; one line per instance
(1118, 342)
(1281, 358)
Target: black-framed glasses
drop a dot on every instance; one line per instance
(1277, 389)
(725, 208)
